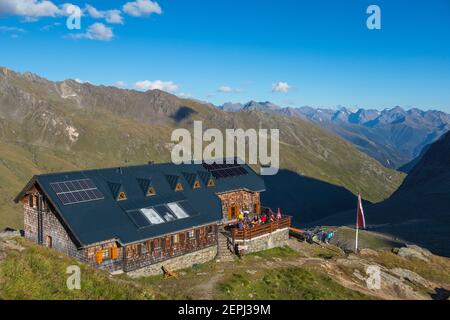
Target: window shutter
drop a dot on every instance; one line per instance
(99, 257)
(114, 253)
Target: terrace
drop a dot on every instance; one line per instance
(250, 227)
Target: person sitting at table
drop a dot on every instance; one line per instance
(264, 219)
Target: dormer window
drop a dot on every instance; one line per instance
(151, 192)
(179, 187)
(211, 183)
(122, 196)
(197, 184)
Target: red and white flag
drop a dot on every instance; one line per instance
(360, 221)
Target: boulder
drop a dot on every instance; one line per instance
(410, 276)
(411, 252)
(366, 252)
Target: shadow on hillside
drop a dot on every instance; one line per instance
(304, 198)
(183, 113)
(440, 294)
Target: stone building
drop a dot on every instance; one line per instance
(137, 219)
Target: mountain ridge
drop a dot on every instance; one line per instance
(393, 136)
(48, 126)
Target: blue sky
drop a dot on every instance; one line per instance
(293, 53)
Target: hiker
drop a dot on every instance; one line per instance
(329, 236)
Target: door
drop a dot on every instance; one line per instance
(49, 242)
(233, 212)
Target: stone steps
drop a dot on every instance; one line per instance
(223, 252)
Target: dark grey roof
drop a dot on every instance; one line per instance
(105, 219)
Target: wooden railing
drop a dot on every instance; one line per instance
(253, 232)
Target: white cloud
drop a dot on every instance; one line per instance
(184, 95)
(30, 9)
(114, 16)
(227, 89)
(280, 87)
(119, 84)
(96, 31)
(141, 8)
(93, 12)
(11, 29)
(111, 16)
(157, 84)
(50, 26)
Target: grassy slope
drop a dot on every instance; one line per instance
(39, 273)
(301, 271)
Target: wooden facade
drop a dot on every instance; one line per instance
(155, 250)
(43, 226)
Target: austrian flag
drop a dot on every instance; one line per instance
(360, 221)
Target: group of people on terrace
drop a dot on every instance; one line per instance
(248, 221)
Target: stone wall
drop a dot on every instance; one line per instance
(245, 200)
(52, 229)
(277, 238)
(181, 262)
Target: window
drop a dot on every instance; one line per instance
(155, 245)
(175, 238)
(191, 234)
(122, 196)
(30, 201)
(177, 210)
(197, 184)
(105, 254)
(211, 183)
(179, 187)
(209, 229)
(49, 241)
(151, 191)
(114, 253)
(152, 216)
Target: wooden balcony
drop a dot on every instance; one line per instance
(260, 230)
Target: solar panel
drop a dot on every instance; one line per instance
(187, 207)
(140, 220)
(76, 191)
(225, 170)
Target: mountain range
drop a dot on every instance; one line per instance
(48, 126)
(393, 136)
(419, 211)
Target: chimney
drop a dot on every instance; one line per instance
(119, 170)
(151, 162)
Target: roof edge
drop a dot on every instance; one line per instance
(27, 187)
